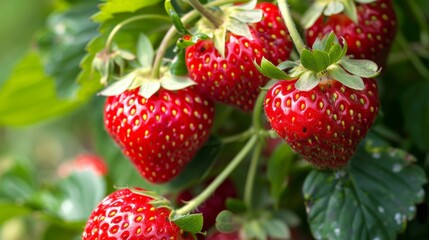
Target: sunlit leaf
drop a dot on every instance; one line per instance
(111, 7)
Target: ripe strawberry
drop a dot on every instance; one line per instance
(233, 79)
(324, 125)
(128, 215)
(160, 134)
(369, 38)
(214, 204)
(84, 162)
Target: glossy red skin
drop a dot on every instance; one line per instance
(127, 215)
(162, 134)
(214, 204)
(234, 80)
(324, 129)
(371, 38)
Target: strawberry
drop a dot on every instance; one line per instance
(160, 134)
(214, 204)
(84, 162)
(125, 214)
(230, 76)
(370, 36)
(324, 125)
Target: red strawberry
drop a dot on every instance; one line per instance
(128, 215)
(233, 79)
(84, 162)
(324, 125)
(369, 38)
(160, 134)
(214, 204)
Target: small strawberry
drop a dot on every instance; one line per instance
(328, 104)
(125, 214)
(160, 134)
(368, 28)
(223, 67)
(214, 204)
(84, 162)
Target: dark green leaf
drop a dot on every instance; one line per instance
(279, 165)
(415, 105)
(63, 42)
(29, 95)
(236, 205)
(201, 164)
(18, 183)
(192, 223)
(371, 199)
(314, 60)
(226, 222)
(270, 70)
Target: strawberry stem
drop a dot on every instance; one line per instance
(118, 27)
(239, 137)
(293, 31)
(251, 174)
(194, 203)
(206, 13)
(166, 41)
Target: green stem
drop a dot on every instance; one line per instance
(257, 110)
(418, 64)
(251, 174)
(194, 203)
(206, 13)
(162, 49)
(239, 137)
(293, 31)
(118, 27)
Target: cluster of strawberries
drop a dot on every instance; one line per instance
(324, 123)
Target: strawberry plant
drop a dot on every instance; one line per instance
(218, 119)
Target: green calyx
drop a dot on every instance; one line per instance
(326, 61)
(141, 75)
(331, 7)
(234, 19)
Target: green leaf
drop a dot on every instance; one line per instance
(236, 205)
(119, 86)
(178, 65)
(251, 16)
(307, 81)
(268, 69)
(360, 67)
(202, 163)
(145, 52)
(314, 60)
(79, 194)
(112, 7)
(172, 82)
(226, 222)
(238, 28)
(148, 86)
(371, 199)
(276, 229)
(335, 53)
(11, 210)
(415, 107)
(62, 45)
(351, 81)
(350, 10)
(29, 96)
(18, 183)
(254, 229)
(192, 223)
(279, 165)
(312, 14)
(180, 27)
